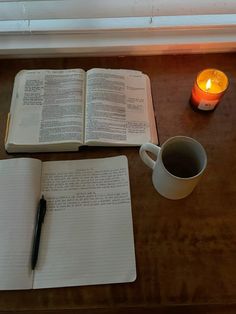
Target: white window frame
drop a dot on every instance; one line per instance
(138, 28)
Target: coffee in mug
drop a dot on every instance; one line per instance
(179, 165)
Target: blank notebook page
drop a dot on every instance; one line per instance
(19, 194)
(87, 236)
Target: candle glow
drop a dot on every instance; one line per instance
(208, 89)
(208, 84)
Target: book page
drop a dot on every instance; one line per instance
(47, 107)
(87, 236)
(117, 104)
(19, 195)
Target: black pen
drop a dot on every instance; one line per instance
(41, 211)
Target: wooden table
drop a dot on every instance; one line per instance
(186, 249)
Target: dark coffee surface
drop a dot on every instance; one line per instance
(181, 165)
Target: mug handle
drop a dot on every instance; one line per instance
(144, 156)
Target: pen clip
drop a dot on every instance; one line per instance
(42, 209)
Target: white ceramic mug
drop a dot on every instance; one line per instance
(179, 164)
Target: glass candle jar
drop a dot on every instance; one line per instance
(208, 89)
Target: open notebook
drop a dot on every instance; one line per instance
(87, 235)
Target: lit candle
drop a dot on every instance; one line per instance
(208, 89)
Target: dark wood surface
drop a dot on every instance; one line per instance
(186, 249)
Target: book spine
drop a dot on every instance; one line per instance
(7, 127)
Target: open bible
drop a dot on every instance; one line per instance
(60, 110)
(87, 234)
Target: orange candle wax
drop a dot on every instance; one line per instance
(208, 89)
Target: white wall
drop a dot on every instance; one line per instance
(37, 9)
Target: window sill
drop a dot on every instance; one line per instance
(122, 36)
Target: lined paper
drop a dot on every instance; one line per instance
(87, 236)
(19, 194)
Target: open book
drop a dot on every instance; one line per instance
(60, 110)
(87, 234)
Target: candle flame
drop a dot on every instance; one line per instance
(208, 84)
